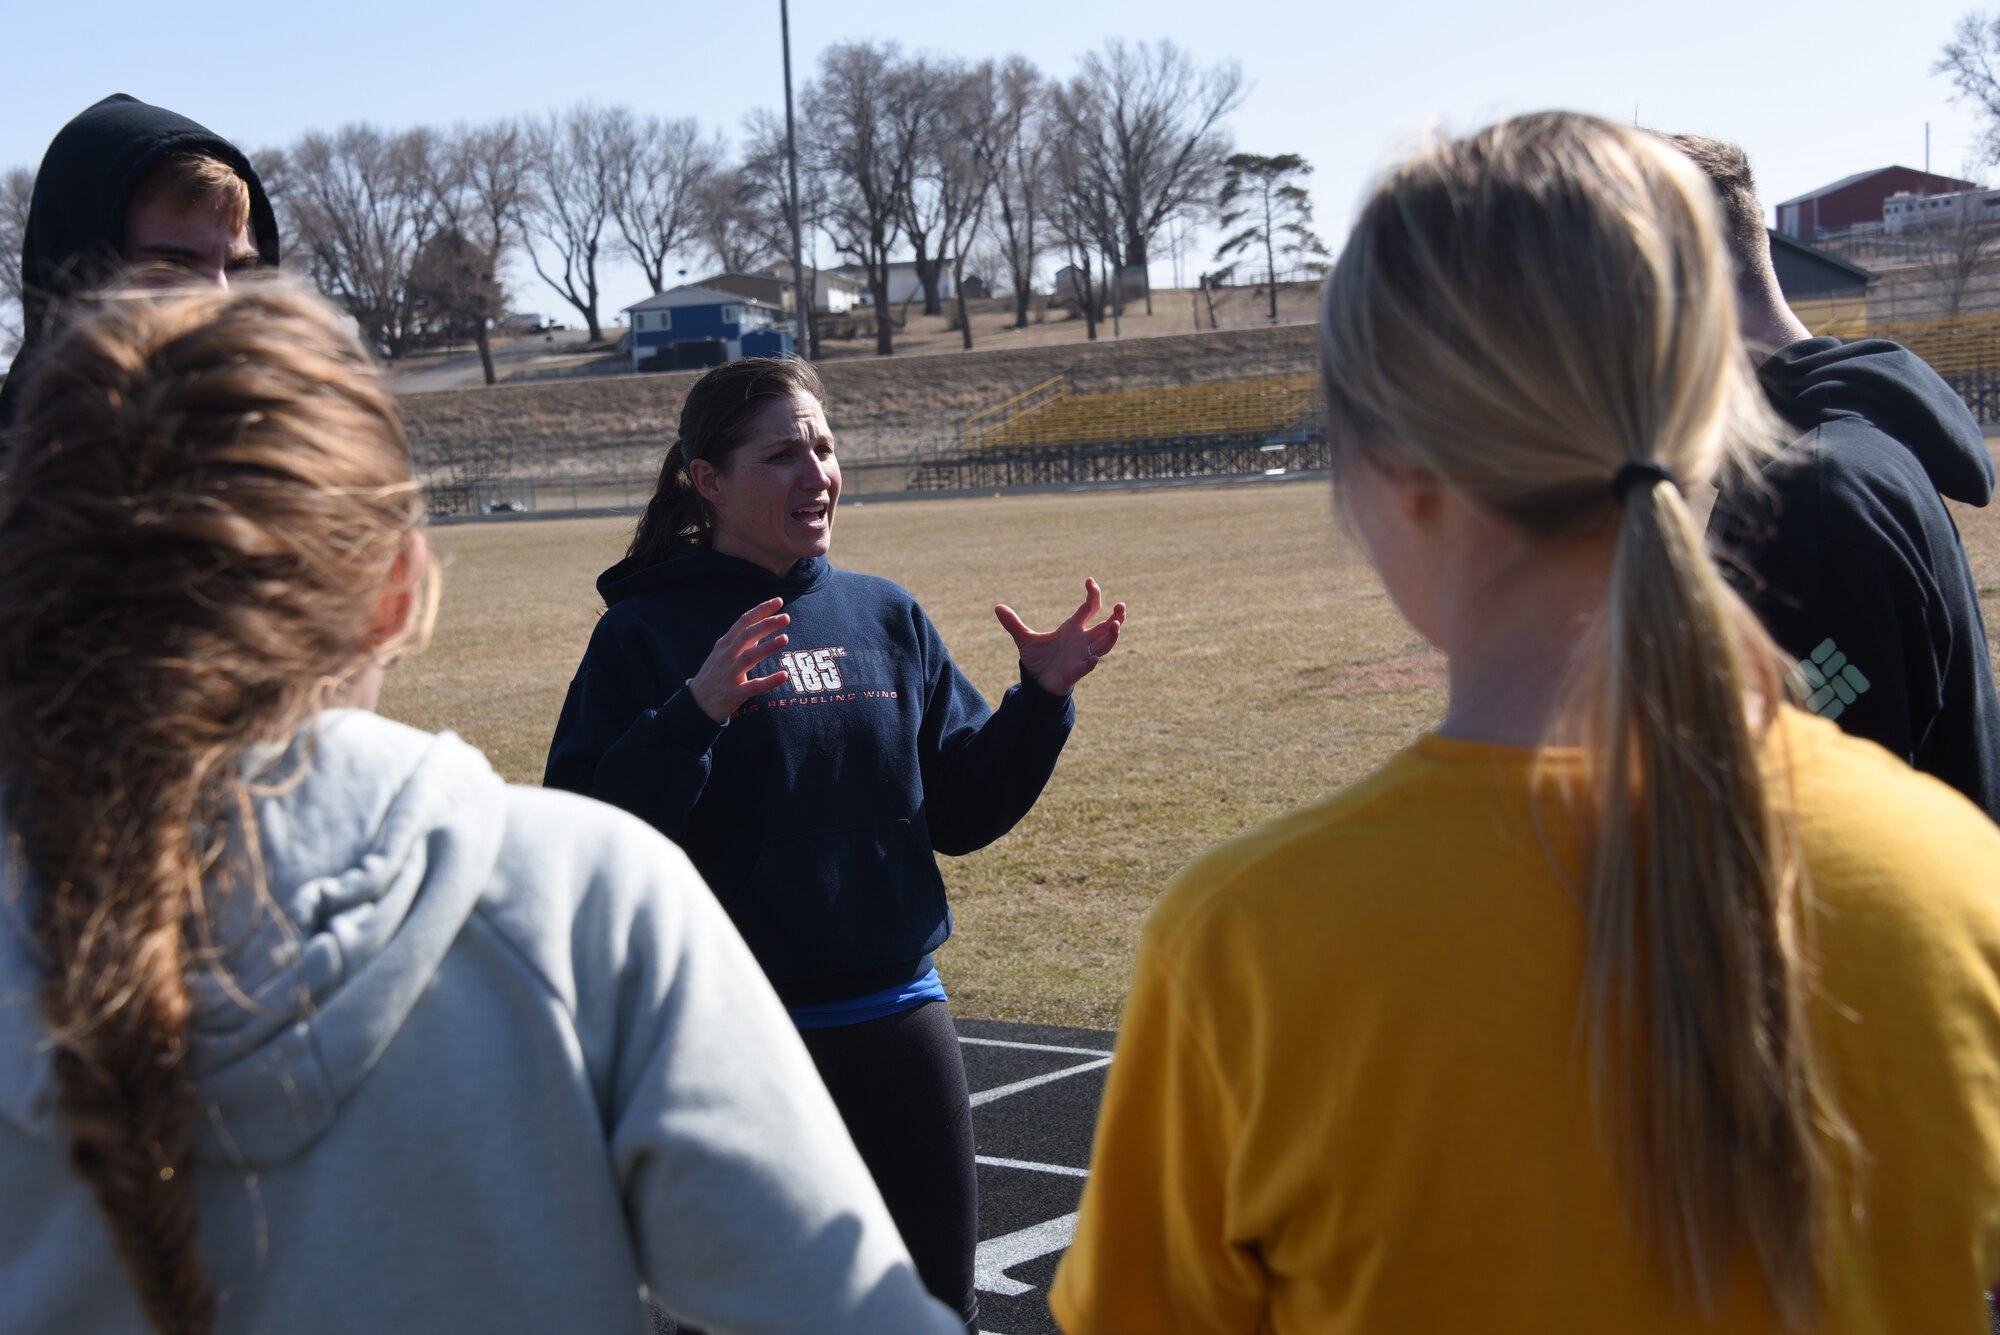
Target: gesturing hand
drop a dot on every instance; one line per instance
(721, 685)
(1059, 658)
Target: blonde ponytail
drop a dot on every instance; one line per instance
(1542, 317)
(1696, 1011)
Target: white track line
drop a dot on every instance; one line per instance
(985, 1096)
(996, 1255)
(1060, 1170)
(1034, 1047)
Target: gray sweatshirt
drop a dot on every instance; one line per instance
(535, 1069)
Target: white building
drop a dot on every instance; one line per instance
(834, 292)
(904, 285)
(1903, 212)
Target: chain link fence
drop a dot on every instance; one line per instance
(943, 470)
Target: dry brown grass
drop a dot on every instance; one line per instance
(1175, 311)
(1262, 666)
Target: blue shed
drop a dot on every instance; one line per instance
(699, 326)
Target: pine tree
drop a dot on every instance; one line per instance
(1265, 198)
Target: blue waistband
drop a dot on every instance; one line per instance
(860, 1010)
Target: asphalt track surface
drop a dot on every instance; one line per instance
(1035, 1091)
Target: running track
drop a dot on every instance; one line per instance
(1035, 1090)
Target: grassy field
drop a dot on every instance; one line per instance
(1262, 665)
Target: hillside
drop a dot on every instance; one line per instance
(879, 407)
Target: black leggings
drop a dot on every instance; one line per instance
(899, 1083)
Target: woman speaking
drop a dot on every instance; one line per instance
(803, 733)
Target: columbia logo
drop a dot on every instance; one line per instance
(1826, 682)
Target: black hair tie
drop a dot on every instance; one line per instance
(1633, 474)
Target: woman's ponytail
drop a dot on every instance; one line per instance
(1696, 1013)
(675, 517)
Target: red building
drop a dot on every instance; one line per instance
(1857, 199)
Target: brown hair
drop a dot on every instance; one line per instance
(195, 181)
(207, 496)
(714, 419)
(1565, 279)
(1727, 168)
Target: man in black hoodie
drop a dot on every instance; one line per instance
(127, 183)
(1851, 558)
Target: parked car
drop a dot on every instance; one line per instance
(503, 507)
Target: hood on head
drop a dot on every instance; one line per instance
(76, 218)
(1818, 380)
(373, 861)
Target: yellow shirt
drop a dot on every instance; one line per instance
(1347, 1096)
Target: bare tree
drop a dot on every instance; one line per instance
(358, 211)
(476, 188)
(952, 178)
(273, 167)
(1021, 129)
(1972, 60)
(454, 291)
(1953, 252)
(1084, 217)
(660, 168)
(1149, 121)
(964, 163)
(1263, 197)
(767, 191)
(861, 122)
(931, 85)
(17, 188)
(732, 231)
(768, 186)
(572, 168)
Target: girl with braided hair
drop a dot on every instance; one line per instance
(312, 1019)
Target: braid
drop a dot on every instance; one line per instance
(207, 496)
(123, 1090)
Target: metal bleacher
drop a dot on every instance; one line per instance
(1048, 435)
(1049, 414)
(1954, 345)
(1964, 349)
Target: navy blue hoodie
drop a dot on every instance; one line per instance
(1853, 562)
(814, 812)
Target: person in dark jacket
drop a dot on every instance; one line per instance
(1848, 553)
(804, 735)
(126, 183)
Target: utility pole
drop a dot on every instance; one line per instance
(1117, 291)
(802, 300)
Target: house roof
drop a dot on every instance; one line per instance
(783, 273)
(1779, 241)
(744, 273)
(696, 296)
(1859, 177)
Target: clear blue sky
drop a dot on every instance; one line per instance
(1814, 92)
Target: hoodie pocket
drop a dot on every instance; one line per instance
(834, 901)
